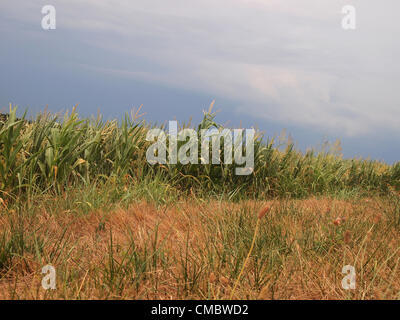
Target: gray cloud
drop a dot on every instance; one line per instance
(278, 60)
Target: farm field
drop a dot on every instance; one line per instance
(79, 194)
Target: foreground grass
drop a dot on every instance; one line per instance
(195, 249)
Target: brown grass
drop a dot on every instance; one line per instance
(194, 250)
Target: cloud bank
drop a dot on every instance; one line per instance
(278, 60)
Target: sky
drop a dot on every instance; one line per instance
(268, 64)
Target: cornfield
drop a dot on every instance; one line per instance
(50, 154)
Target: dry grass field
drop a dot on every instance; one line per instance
(194, 249)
